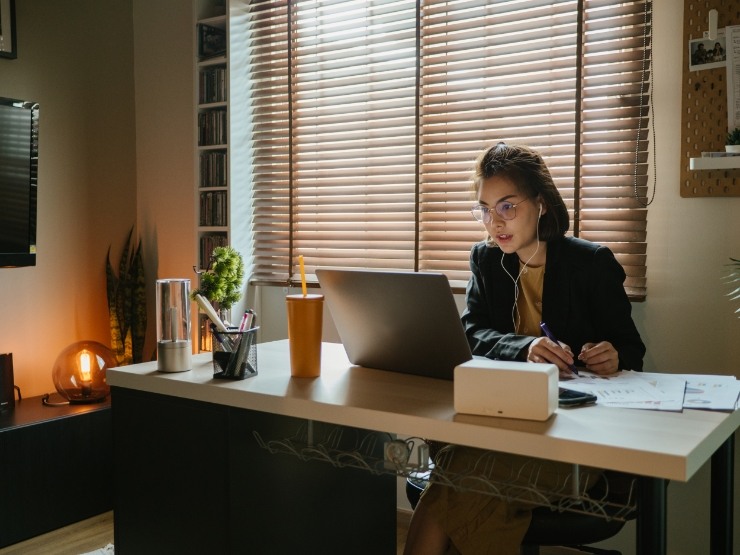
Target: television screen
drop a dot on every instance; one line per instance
(18, 182)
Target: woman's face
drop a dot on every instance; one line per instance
(519, 234)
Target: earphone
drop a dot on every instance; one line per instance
(515, 308)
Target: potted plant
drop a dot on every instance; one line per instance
(127, 303)
(732, 144)
(221, 283)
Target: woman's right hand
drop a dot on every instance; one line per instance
(543, 349)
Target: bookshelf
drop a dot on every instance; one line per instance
(212, 113)
(221, 102)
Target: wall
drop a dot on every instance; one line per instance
(94, 149)
(165, 142)
(688, 322)
(76, 60)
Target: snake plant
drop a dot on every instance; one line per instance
(127, 304)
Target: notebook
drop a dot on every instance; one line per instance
(399, 321)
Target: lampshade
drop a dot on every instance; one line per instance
(79, 372)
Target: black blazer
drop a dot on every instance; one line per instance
(583, 300)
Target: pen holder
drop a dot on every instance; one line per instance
(234, 354)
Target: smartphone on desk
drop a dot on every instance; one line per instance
(568, 398)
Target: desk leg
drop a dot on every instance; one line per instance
(721, 508)
(651, 517)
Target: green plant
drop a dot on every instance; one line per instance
(733, 278)
(733, 137)
(127, 304)
(221, 283)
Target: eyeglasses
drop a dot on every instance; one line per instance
(505, 209)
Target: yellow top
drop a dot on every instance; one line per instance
(529, 302)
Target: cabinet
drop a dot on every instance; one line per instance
(190, 477)
(56, 467)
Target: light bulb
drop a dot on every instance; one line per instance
(85, 373)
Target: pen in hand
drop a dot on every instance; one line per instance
(552, 337)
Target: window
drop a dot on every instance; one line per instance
(367, 116)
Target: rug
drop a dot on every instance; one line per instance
(107, 550)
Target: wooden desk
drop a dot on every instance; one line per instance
(661, 446)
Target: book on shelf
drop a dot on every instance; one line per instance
(213, 209)
(208, 242)
(212, 85)
(211, 41)
(212, 127)
(213, 168)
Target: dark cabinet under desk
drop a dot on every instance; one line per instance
(191, 478)
(55, 467)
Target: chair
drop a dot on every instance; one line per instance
(549, 528)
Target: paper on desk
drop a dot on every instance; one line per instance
(635, 390)
(711, 392)
(645, 390)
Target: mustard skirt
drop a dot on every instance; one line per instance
(492, 522)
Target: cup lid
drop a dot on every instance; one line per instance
(309, 297)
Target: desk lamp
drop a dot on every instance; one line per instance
(79, 373)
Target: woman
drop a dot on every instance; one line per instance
(525, 273)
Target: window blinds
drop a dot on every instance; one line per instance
(367, 116)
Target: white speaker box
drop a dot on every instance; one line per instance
(506, 389)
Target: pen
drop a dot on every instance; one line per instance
(251, 318)
(552, 337)
(243, 323)
(220, 339)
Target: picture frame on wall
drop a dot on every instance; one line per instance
(708, 53)
(7, 29)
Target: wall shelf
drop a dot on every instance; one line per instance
(718, 163)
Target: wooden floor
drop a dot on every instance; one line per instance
(81, 537)
(97, 532)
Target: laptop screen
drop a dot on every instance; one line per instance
(399, 321)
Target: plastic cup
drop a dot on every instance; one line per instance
(305, 316)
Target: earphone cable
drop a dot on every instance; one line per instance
(515, 308)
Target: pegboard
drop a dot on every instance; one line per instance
(704, 106)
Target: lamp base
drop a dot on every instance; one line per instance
(86, 400)
(174, 356)
(74, 398)
(85, 395)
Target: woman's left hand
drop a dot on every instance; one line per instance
(600, 358)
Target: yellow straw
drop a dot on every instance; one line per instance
(303, 274)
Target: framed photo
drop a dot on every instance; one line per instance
(7, 29)
(706, 53)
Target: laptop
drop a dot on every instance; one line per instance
(399, 321)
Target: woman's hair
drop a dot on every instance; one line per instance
(528, 171)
